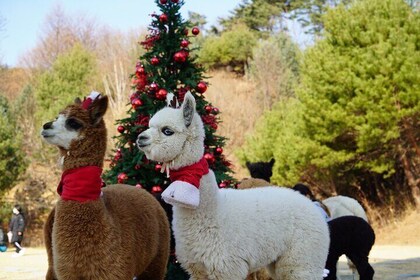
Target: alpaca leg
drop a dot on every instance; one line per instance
(157, 268)
(48, 228)
(305, 260)
(363, 267)
(331, 265)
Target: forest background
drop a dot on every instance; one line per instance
(341, 115)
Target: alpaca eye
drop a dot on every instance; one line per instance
(73, 124)
(167, 131)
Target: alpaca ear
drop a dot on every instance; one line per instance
(188, 108)
(98, 108)
(78, 101)
(171, 100)
(272, 161)
(248, 164)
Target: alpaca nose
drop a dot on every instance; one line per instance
(47, 125)
(142, 140)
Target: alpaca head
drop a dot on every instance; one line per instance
(79, 129)
(261, 170)
(175, 135)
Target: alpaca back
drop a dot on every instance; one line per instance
(101, 238)
(344, 206)
(351, 234)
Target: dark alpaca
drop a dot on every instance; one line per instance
(262, 170)
(354, 237)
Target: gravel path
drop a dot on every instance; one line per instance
(389, 262)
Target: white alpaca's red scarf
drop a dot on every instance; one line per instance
(191, 174)
(81, 184)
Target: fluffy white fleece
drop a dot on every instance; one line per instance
(344, 206)
(235, 232)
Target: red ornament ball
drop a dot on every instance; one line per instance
(154, 86)
(122, 177)
(121, 129)
(175, 1)
(139, 186)
(156, 189)
(163, 18)
(137, 167)
(154, 61)
(195, 31)
(208, 109)
(158, 167)
(185, 31)
(117, 156)
(184, 43)
(201, 87)
(223, 185)
(133, 96)
(180, 57)
(161, 94)
(163, 2)
(219, 150)
(136, 102)
(215, 111)
(140, 70)
(209, 157)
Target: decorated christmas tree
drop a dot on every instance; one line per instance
(169, 65)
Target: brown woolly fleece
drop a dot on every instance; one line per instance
(249, 183)
(124, 233)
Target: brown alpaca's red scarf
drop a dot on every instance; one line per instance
(81, 184)
(192, 173)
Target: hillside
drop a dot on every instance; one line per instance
(238, 102)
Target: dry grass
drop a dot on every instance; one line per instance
(400, 232)
(237, 100)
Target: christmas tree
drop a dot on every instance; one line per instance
(167, 66)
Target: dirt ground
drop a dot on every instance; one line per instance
(390, 263)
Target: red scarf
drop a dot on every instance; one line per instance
(191, 174)
(81, 184)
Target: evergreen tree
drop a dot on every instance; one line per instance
(360, 96)
(70, 77)
(12, 159)
(169, 65)
(354, 128)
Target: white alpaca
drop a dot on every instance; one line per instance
(231, 233)
(340, 205)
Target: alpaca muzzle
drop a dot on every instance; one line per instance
(142, 141)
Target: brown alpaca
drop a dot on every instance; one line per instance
(117, 232)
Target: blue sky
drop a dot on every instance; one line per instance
(23, 19)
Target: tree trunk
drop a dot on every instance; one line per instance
(413, 179)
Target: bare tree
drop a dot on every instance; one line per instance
(117, 53)
(59, 34)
